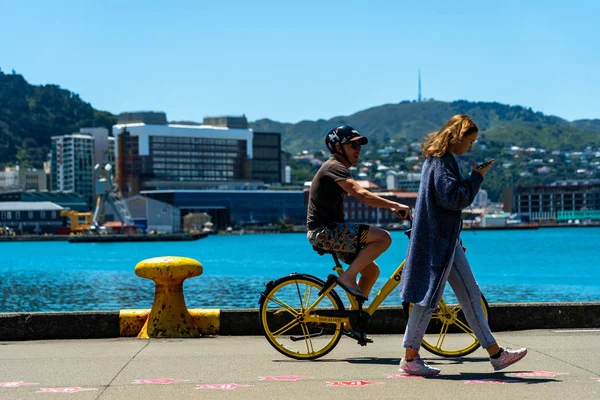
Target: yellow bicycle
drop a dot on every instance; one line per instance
(303, 317)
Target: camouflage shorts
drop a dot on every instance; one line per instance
(345, 239)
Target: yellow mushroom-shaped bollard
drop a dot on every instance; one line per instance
(169, 316)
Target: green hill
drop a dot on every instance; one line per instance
(511, 125)
(588, 124)
(30, 115)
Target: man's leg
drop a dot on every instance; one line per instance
(368, 277)
(378, 240)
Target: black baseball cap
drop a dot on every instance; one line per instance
(343, 134)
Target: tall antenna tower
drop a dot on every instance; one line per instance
(419, 99)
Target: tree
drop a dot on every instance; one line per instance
(30, 155)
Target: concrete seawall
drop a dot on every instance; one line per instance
(239, 322)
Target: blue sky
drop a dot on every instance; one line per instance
(291, 61)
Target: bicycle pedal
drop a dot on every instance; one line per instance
(361, 338)
(364, 340)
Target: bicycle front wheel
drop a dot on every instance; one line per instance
(448, 333)
(283, 310)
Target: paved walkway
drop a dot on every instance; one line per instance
(560, 364)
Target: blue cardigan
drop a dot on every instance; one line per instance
(436, 227)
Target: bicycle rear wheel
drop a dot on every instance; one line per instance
(448, 333)
(282, 311)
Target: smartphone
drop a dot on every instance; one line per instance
(485, 164)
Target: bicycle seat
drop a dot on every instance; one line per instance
(321, 251)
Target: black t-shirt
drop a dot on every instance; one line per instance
(326, 198)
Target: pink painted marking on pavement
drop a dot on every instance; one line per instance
(65, 390)
(292, 378)
(597, 379)
(16, 384)
(161, 381)
(353, 383)
(539, 373)
(222, 386)
(394, 376)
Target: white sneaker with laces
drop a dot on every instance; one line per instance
(417, 367)
(508, 357)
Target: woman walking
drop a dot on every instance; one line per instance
(435, 254)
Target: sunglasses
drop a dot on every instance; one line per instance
(355, 145)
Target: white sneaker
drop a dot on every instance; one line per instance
(417, 367)
(508, 357)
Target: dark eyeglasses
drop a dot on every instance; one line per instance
(355, 145)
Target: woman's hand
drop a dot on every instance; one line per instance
(483, 170)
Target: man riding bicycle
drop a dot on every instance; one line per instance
(355, 244)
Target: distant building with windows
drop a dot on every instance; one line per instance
(355, 211)
(267, 157)
(30, 217)
(104, 145)
(23, 178)
(546, 202)
(152, 154)
(72, 164)
(408, 181)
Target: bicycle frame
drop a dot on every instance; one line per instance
(383, 293)
(343, 316)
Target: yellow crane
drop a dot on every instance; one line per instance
(80, 221)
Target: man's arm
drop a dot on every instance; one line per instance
(352, 187)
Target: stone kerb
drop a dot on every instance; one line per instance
(234, 322)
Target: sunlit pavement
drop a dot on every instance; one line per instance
(560, 364)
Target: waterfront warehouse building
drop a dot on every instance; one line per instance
(30, 217)
(67, 200)
(560, 201)
(238, 208)
(149, 215)
(152, 154)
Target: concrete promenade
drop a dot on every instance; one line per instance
(561, 363)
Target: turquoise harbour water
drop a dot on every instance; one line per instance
(545, 265)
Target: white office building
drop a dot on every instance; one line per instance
(154, 154)
(72, 163)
